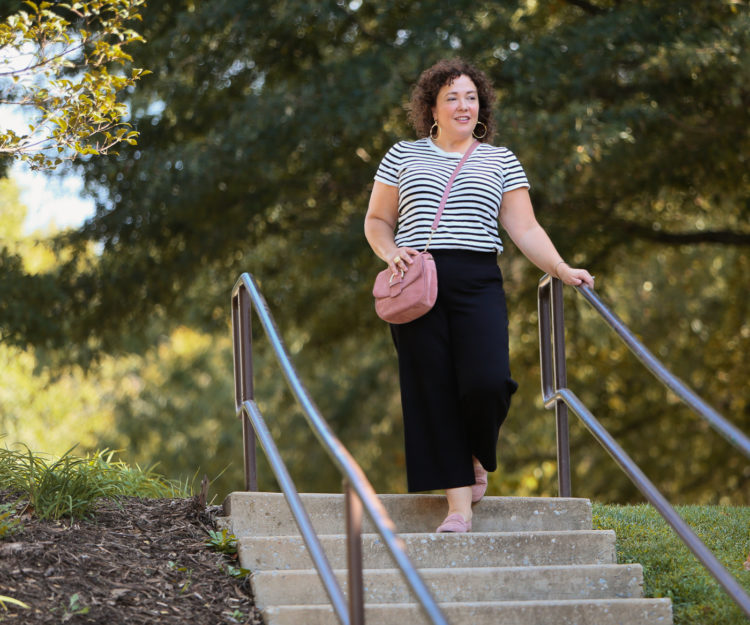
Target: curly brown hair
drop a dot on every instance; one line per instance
(425, 92)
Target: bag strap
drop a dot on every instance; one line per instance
(447, 191)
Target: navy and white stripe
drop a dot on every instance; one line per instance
(421, 170)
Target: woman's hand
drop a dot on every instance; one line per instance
(401, 259)
(574, 276)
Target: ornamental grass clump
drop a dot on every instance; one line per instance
(70, 486)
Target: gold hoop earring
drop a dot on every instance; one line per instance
(436, 134)
(483, 135)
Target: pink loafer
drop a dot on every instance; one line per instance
(480, 483)
(455, 523)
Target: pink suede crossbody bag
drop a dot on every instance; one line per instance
(400, 298)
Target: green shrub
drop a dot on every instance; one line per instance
(671, 570)
(70, 486)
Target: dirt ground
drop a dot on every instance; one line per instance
(140, 561)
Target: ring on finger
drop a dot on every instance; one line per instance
(397, 260)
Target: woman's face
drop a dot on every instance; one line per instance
(456, 109)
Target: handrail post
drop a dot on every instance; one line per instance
(553, 370)
(545, 337)
(561, 381)
(354, 555)
(242, 348)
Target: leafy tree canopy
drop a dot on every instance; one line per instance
(260, 131)
(64, 61)
(263, 123)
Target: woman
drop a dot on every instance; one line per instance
(453, 362)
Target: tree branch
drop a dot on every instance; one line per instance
(725, 237)
(44, 61)
(589, 8)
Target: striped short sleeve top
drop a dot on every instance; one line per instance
(420, 170)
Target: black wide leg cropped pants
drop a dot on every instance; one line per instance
(455, 374)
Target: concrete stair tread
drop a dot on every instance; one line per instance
(411, 536)
(268, 513)
(474, 549)
(537, 612)
(457, 571)
(490, 583)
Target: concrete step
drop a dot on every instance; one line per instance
(602, 581)
(267, 514)
(552, 612)
(475, 549)
(528, 561)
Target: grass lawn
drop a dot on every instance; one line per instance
(671, 570)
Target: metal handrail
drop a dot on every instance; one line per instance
(555, 393)
(728, 430)
(359, 493)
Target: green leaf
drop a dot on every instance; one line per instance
(12, 601)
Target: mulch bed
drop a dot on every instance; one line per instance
(137, 561)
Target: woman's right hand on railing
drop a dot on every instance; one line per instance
(574, 276)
